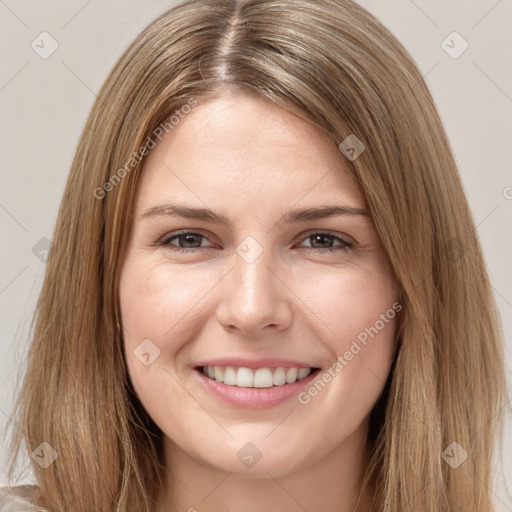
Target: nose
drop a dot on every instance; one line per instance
(254, 298)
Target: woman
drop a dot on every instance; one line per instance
(265, 290)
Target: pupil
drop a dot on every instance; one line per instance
(318, 238)
(189, 239)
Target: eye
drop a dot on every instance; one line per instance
(320, 241)
(324, 241)
(187, 241)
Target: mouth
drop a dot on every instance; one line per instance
(267, 377)
(248, 383)
(254, 388)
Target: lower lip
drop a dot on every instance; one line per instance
(254, 398)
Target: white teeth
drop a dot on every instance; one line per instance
(291, 375)
(260, 378)
(279, 377)
(244, 378)
(229, 376)
(263, 378)
(218, 374)
(303, 373)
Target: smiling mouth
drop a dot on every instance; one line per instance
(243, 377)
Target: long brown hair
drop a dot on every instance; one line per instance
(335, 65)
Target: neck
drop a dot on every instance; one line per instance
(331, 484)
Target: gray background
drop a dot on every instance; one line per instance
(44, 104)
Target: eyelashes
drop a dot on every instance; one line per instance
(190, 239)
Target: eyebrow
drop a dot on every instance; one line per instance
(205, 214)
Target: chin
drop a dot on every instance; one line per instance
(257, 458)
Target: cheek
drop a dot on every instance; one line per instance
(347, 303)
(155, 302)
(156, 308)
(365, 314)
(359, 316)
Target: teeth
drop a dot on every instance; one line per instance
(279, 377)
(291, 375)
(229, 376)
(244, 378)
(260, 378)
(303, 373)
(263, 378)
(219, 377)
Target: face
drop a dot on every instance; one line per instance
(258, 306)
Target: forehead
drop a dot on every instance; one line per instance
(239, 148)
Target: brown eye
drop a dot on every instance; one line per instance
(186, 240)
(329, 242)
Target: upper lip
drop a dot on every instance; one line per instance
(254, 364)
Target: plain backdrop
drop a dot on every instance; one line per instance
(44, 103)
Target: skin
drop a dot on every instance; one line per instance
(248, 159)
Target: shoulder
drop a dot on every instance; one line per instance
(17, 499)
